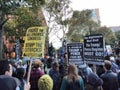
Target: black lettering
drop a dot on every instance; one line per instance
(33, 30)
(33, 38)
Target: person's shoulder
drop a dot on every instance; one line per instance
(7, 77)
(8, 81)
(17, 81)
(65, 77)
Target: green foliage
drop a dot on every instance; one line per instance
(8, 8)
(58, 12)
(81, 24)
(117, 34)
(23, 19)
(9, 28)
(108, 35)
(24, 14)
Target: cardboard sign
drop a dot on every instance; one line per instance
(75, 53)
(94, 49)
(35, 42)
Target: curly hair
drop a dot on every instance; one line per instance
(37, 63)
(45, 83)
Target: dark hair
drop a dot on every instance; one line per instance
(20, 73)
(108, 65)
(4, 66)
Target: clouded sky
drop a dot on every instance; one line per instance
(109, 12)
(109, 9)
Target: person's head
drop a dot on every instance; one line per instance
(61, 69)
(55, 66)
(72, 73)
(107, 65)
(5, 68)
(20, 73)
(45, 82)
(37, 63)
(72, 69)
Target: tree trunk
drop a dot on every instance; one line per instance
(47, 41)
(1, 44)
(3, 21)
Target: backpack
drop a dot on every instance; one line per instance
(73, 85)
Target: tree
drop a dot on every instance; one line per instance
(58, 12)
(23, 19)
(8, 7)
(117, 34)
(81, 24)
(108, 35)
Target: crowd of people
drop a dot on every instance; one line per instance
(49, 74)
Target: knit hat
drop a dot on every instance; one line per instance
(45, 82)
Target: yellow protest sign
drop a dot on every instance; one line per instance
(35, 42)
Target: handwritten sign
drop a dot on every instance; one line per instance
(35, 42)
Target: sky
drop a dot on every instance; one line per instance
(108, 9)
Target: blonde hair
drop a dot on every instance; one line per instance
(45, 83)
(37, 63)
(72, 73)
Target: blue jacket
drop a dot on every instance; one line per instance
(110, 81)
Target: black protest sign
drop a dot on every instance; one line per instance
(94, 49)
(75, 53)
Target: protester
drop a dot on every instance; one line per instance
(45, 82)
(35, 74)
(62, 72)
(114, 67)
(49, 62)
(94, 81)
(20, 72)
(54, 74)
(117, 51)
(110, 81)
(72, 81)
(7, 82)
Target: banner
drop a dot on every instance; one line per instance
(75, 53)
(94, 49)
(35, 42)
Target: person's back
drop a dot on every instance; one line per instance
(20, 72)
(73, 85)
(94, 81)
(35, 75)
(54, 74)
(72, 81)
(7, 83)
(110, 81)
